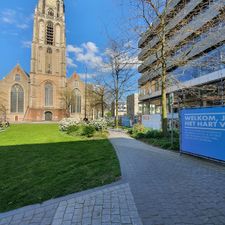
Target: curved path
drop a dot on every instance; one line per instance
(170, 189)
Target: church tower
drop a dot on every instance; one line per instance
(48, 62)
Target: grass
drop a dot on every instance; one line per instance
(38, 162)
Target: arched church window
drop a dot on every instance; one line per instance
(76, 102)
(48, 94)
(50, 33)
(17, 99)
(17, 77)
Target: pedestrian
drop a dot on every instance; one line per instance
(7, 124)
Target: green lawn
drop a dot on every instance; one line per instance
(38, 162)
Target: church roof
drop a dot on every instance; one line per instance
(21, 69)
(18, 69)
(75, 76)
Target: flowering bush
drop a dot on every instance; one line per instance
(139, 128)
(110, 121)
(72, 126)
(67, 123)
(99, 124)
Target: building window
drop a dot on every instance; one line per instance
(48, 94)
(76, 102)
(76, 83)
(17, 77)
(49, 33)
(49, 60)
(50, 13)
(58, 8)
(17, 99)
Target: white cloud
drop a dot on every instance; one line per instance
(8, 16)
(90, 47)
(72, 49)
(15, 18)
(22, 26)
(89, 75)
(87, 53)
(26, 44)
(70, 62)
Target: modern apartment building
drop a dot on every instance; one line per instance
(195, 56)
(133, 108)
(122, 108)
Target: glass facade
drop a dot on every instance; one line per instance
(207, 63)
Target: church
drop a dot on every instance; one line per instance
(38, 95)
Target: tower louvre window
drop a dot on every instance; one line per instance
(49, 33)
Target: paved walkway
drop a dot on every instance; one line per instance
(109, 205)
(170, 189)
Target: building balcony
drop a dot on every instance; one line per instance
(201, 19)
(146, 35)
(209, 78)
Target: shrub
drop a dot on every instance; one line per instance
(154, 134)
(110, 121)
(73, 129)
(130, 130)
(99, 124)
(139, 135)
(139, 128)
(66, 123)
(87, 130)
(71, 125)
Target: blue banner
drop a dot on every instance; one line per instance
(125, 121)
(203, 132)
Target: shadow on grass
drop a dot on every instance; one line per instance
(34, 173)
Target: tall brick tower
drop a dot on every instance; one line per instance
(48, 62)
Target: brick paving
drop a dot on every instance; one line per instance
(111, 205)
(170, 189)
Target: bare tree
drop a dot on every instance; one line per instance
(120, 63)
(3, 106)
(98, 97)
(67, 97)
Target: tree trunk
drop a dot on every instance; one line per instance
(102, 100)
(117, 111)
(163, 78)
(117, 99)
(164, 104)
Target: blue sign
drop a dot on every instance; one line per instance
(125, 121)
(203, 132)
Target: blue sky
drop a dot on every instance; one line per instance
(87, 22)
